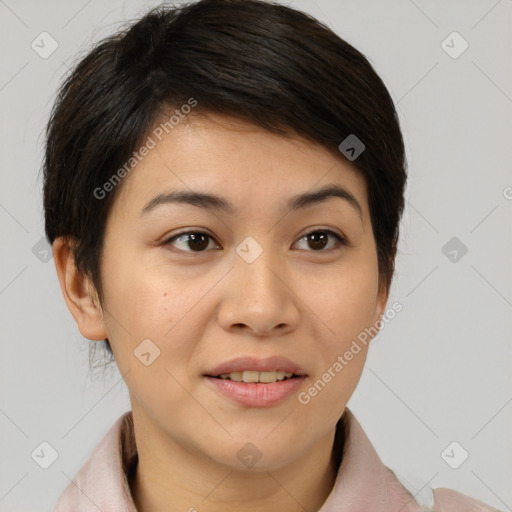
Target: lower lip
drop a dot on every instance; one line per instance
(257, 394)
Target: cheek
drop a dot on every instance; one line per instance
(154, 346)
(347, 309)
(146, 299)
(143, 317)
(168, 308)
(346, 302)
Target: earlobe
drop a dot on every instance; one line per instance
(78, 292)
(380, 309)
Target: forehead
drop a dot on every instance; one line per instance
(235, 159)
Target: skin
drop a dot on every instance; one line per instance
(296, 299)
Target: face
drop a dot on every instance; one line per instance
(191, 286)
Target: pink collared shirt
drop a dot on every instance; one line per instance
(363, 483)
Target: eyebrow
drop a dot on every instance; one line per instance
(214, 202)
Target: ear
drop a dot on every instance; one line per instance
(79, 293)
(380, 306)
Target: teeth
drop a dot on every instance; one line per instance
(252, 376)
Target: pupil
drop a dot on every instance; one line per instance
(318, 239)
(200, 239)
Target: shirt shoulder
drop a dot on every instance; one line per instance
(449, 500)
(102, 482)
(364, 483)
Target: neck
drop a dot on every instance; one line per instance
(188, 482)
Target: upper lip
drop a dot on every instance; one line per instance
(250, 363)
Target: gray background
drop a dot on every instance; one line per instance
(439, 372)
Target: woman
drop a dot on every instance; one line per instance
(223, 189)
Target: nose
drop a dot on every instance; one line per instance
(259, 298)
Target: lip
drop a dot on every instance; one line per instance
(251, 363)
(255, 394)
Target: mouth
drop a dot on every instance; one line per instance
(249, 376)
(256, 393)
(253, 369)
(256, 382)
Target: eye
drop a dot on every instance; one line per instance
(199, 241)
(318, 239)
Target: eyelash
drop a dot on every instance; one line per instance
(341, 241)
